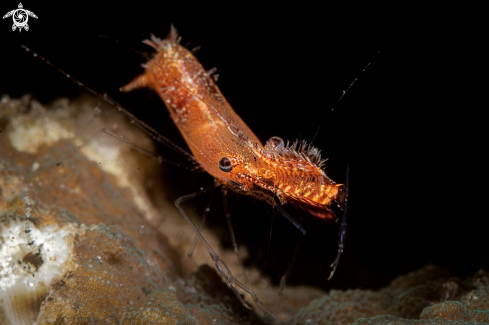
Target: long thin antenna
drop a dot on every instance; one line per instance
(343, 95)
(353, 82)
(151, 131)
(343, 225)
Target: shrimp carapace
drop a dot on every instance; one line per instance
(224, 145)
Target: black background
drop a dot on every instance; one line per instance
(409, 128)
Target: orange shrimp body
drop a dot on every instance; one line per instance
(294, 173)
(224, 145)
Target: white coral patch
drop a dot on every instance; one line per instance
(27, 137)
(29, 261)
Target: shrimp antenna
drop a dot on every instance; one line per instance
(125, 45)
(151, 131)
(343, 225)
(343, 94)
(353, 82)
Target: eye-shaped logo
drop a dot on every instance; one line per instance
(20, 17)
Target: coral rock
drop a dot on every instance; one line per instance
(424, 297)
(88, 243)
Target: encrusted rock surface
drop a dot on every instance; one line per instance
(426, 296)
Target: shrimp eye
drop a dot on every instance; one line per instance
(225, 164)
(275, 142)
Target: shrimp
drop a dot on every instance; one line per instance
(280, 173)
(225, 147)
